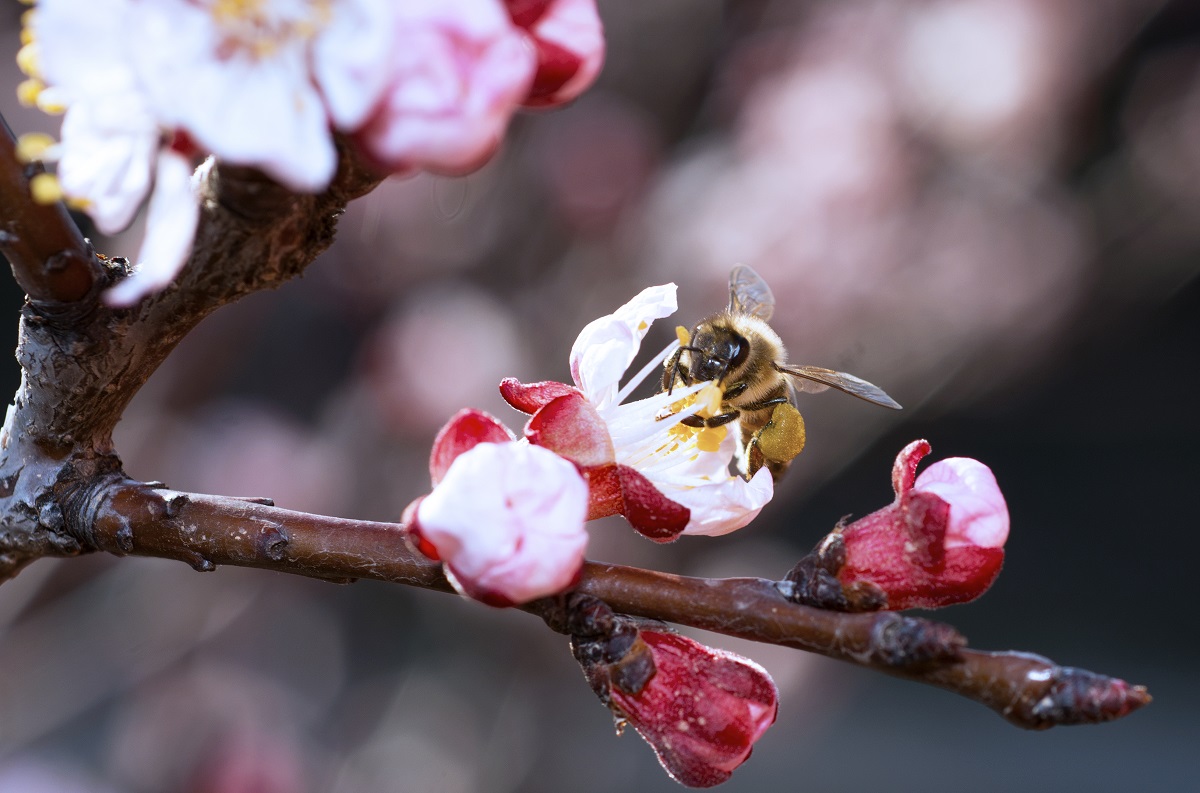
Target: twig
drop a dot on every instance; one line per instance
(50, 259)
(127, 517)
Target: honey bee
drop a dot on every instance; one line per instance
(746, 359)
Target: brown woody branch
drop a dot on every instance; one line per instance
(127, 517)
(50, 259)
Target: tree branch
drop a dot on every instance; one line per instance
(126, 517)
(49, 257)
(82, 362)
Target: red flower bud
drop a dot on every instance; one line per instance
(940, 542)
(701, 710)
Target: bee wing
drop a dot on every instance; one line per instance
(749, 294)
(814, 379)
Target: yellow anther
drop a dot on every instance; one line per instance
(682, 334)
(27, 59)
(27, 34)
(32, 146)
(29, 90)
(45, 188)
(710, 397)
(78, 204)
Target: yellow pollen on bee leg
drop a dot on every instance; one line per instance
(32, 146)
(45, 189)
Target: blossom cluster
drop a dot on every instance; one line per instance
(507, 515)
(148, 88)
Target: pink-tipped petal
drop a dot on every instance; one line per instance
(458, 70)
(569, 39)
(978, 513)
(941, 542)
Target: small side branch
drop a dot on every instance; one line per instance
(127, 517)
(50, 259)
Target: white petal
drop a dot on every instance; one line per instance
(725, 506)
(350, 57)
(107, 151)
(82, 47)
(170, 230)
(259, 110)
(607, 346)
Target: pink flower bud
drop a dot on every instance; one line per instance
(701, 711)
(569, 41)
(940, 542)
(506, 519)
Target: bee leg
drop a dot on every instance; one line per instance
(736, 390)
(722, 418)
(675, 372)
(766, 403)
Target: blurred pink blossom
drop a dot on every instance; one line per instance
(569, 41)
(456, 72)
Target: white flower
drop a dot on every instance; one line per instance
(664, 451)
(640, 460)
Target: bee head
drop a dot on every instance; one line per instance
(715, 351)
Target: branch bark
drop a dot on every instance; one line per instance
(126, 517)
(50, 259)
(82, 361)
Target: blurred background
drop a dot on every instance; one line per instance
(991, 208)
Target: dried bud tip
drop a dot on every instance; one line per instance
(1077, 696)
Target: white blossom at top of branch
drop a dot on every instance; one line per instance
(420, 84)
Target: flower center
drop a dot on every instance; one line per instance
(708, 439)
(260, 28)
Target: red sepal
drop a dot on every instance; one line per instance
(570, 427)
(465, 430)
(531, 397)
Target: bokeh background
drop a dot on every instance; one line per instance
(991, 208)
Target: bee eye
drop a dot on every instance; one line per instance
(739, 349)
